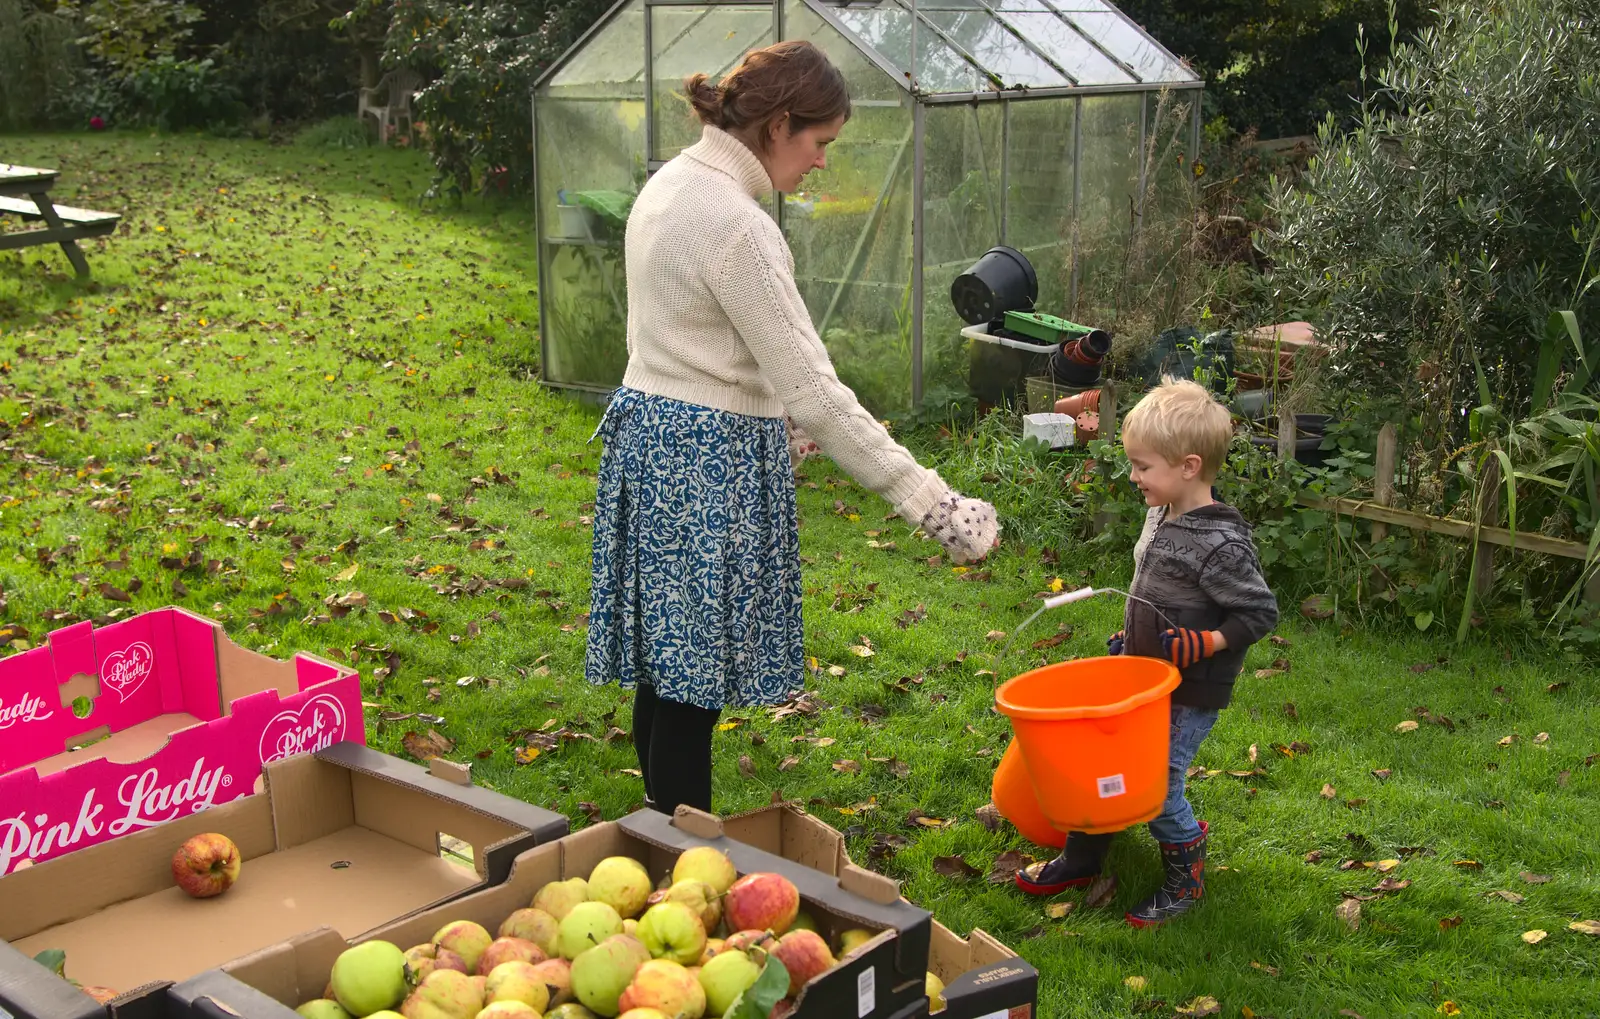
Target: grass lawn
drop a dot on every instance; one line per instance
(289, 370)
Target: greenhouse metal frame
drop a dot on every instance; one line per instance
(1006, 82)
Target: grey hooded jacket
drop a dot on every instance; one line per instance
(1200, 569)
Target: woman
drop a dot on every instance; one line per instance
(696, 597)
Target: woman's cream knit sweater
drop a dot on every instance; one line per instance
(715, 319)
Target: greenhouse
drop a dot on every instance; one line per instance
(1057, 127)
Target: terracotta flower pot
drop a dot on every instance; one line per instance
(1077, 403)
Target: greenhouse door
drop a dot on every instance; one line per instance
(684, 38)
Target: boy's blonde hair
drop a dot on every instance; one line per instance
(1179, 418)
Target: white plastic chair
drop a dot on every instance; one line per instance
(389, 101)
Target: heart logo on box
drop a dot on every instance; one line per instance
(126, 671)
(317, 725)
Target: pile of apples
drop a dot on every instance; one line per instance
(611, 945)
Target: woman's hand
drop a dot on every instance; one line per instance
(969, 529)
(801, 447)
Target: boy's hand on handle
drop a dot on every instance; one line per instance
(1114, 643)
(1185, 647)
(969, 529)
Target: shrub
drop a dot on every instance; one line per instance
(37, 60)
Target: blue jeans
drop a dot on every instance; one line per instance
(1190, 727)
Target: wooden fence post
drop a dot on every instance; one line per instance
(1286, 435)
(1489, 515)
(1383, 478)
(1108, 411)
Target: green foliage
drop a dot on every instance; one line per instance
(484, 58)
(127, 35)
(37, 60)
(177, 95)
(1277, 68)
(1455, 217)
(337, 133)
(758, 999)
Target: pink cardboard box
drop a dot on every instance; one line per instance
(185, 719)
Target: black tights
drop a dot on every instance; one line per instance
(677, 766)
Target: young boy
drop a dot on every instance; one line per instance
(1204, 602)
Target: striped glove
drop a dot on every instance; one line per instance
(968, 529)
(1115, 643)
(1185, 647)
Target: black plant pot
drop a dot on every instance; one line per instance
(1310, 430)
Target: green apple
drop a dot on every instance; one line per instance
(588, 924)
(934, 987)
(853, 939)
(386, 1014)
(322, 1008)
(369, 978)
(803, 922)
(508, 1010)
(725, 977)
(622, 883)
(704, 863)
(533, 925)
(601, 974)
(558, 897)
(698, 896)
(570, 1010)
(671, 930)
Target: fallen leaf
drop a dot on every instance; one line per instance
(526, 755)
(989, 816)
(426, 747)
(747, 767)
(787, 763)
(635, 772)
(1254, 753)
(1268, 673)
(1006, 866)
(1534, 879)
(1450, 922)
(836, 671)
(1409, 725)
(1506, 741)
(1350, 1013)
(1135, 984)
(847, 767)
(113, 593)
(1535, 936)
(592, 812)
(1390, 884)
(1543, 737)
(1318, 606)
(1467, 864)
(348, 573)
(1270, 971)
(1349, 911)
(994, 635)
(1385, 866)
(1448, 1008)
(1591, 927)
(1315, 856)
(1511, 897)
(728, 726)
(1100, 891)
(862, 651)
(1205, 1004)
(1328, 792)
(954, 867)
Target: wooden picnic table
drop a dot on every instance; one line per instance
(25, 192)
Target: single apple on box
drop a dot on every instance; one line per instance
(508, 1010)
(805, 955)
(371, 977)
(206, 865)
(671, 930)
(853, 939)
(698, 896)
(704, 863)
(665, 985)
(446, 994)
(588, 924)
(517, 981)
(533, 925)
(424, 959)
(509, 950)
(322, 1008)
(762, 902)
(934, 988)
(466, 939)
(557, 976)
(726, 977)
(601, 974)
(558, 897)
(622, 883)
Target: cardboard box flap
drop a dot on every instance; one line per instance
(28, 989)
(876, 887)
(698, 823)
(787, 830)
(825, 890)
(310, 799)
(291, 972)
(216, 995)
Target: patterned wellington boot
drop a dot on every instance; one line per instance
(1080, 862)
(1184, 884)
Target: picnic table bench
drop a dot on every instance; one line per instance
(25, 192)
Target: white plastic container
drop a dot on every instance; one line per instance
(1058, 431)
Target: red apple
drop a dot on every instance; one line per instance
(804, 954)
(746, 940)
(509, 950)
(557, 976)
(206, 865)
(665, 985)
(763, 902)
(782, 1009)
(424, 959)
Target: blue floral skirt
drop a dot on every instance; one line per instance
(696, 575)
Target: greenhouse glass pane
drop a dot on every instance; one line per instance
(1132, 46)
(610, 62)
(1067, 47)
(961, 191)
(690, 40)
(585, 146)
(867, 81)
(850, 233)
(888, 28)
(1108, 193)
(1039, 193)
(997, 49)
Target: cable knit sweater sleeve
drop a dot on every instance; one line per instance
(754, 283)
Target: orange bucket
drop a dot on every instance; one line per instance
(1093, 736)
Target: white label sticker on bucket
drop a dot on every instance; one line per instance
(1112, 785)
(867, 992)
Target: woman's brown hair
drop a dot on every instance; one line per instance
(792, 77)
